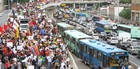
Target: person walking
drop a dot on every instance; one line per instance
(130, 66)
(123, 67)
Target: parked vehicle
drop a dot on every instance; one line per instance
(138, 55)
(102, 34)
(133, 49)
(96, 37)
(112, 40)
(123, 45)
(107, 36)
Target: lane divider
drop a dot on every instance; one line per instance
(74, 66)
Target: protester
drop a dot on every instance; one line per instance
(40, 45)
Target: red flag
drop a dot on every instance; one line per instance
(5, 27)
(1, 30)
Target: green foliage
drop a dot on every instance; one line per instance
(125, 1)
(125, 13)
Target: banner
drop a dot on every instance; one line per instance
(9, 44)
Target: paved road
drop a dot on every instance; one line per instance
(4, 17)
(80, 63)
(132, 58)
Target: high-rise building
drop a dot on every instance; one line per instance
(135, 12)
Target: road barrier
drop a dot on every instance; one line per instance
(134, 65)
(73, 64)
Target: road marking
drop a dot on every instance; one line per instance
(134, 63)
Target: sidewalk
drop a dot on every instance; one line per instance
(4, 16)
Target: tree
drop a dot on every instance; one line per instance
(125, 13)
(125, 1)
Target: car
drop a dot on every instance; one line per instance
(107, 36)
(123, 45)
(112, 40)
(138, 55)
(102, 34)
(133, 49)
(96, 37)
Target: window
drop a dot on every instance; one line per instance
(73, 40)
(95, 53)
(100, 25)
(84, 48)
(99, 55)
(124, 29)
(24, 26)
(88, 50)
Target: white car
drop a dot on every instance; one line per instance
(112, 40)
(133, 49)
(96, 37)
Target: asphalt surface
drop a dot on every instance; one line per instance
(132, 58)
(4, 16)
(80, 64)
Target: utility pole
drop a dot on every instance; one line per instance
(9, 4)
(118, 10)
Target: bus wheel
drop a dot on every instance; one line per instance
(85, 62)
(91, 66)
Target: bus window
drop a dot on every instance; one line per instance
(73, 40)
(95, 53)
(67, 37)
(105, 61)
(88, 51)
(124, 29)
(99, 55)
(84, 48)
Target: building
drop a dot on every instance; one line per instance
(135, 12)
(1, 6)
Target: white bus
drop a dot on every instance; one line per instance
(24, 24)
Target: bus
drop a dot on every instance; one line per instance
(134, 31)
(72, 37)
(98, 18)
(102, 27)
(24, 24)
(62, 26)
(98, 54)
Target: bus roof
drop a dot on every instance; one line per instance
(77, 34)
(64, 25)
(124, 25)
(100, 22)
(103, 47)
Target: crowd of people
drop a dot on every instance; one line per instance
(40, 47)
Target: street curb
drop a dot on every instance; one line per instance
(134, 65)
(74, 66)
(1, 14)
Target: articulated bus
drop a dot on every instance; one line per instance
(72, 37)
(134, 31)
(102, 26)
(98, 54)
(64, 26)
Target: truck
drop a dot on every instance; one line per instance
(24, 24)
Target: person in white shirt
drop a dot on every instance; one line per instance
(130, 66)
(49, 58)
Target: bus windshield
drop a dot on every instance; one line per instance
(24, 26)
(118, 61)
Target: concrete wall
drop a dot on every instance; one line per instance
(1, 6)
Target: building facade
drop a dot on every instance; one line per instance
(135, 12)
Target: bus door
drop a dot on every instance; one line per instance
(105, 60)
(90, 52)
